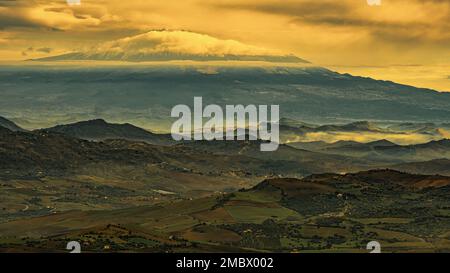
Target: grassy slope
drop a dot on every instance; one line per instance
(319, 213)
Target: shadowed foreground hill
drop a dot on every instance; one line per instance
(34, 156)
(54, 153)
(320, 213)
(51, 152)
(56, 172)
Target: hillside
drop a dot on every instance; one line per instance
(44, 163)
(99, 129)
(145, 94)
(437, 166)
(308, 162)
(328, 212)
(5, 123)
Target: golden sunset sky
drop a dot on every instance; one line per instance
(407, 41)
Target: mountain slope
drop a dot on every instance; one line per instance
(145, 95)
(5, 123)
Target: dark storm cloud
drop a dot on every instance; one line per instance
(17, 3)
(351, 14)
(30, 50)
(9, 21)
(293, 9)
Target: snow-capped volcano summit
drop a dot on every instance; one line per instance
(176, 45)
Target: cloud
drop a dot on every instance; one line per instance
(177, 45)
(56, 15)
(17, 3)
(31, 50)
(10, 19)
(289, 8)
(327, 32)
(182, 42)
(44, 50)
(419, 20)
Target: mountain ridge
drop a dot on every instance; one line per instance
(6, 123)
(99, 129)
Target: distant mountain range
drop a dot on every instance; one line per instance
(382, 150)
(324, 146)
(361, 131)
(290, 159)
(304, 128)
(364, 126)
(59, 152)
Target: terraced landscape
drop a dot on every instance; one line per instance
(336, 213)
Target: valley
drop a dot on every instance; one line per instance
(120, 188)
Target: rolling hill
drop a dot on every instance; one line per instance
(437, 166)
(327, 213)
(99, 129)
(44, 172)
(308, 162)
